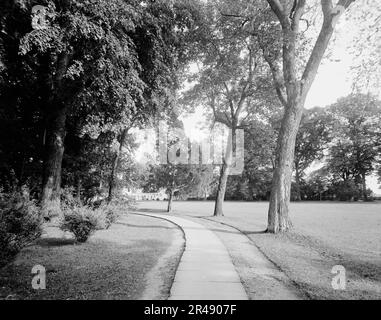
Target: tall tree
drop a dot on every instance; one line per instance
(231, 80)
(176, 179)
(82, 48)
(292, 90)
(357, 138)
(260, 144)
(108, 61)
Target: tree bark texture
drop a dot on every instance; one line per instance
(297, 184)
(224, 175)
(56, 113)
(115, 165)
(54, 151)
(170, 200)
(364, 193)
(278, 215)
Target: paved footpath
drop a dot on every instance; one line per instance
(206, 271)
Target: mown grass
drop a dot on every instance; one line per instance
(113, 264)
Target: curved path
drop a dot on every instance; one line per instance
(205, 271)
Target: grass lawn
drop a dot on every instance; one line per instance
(113, 264)
(325, 234)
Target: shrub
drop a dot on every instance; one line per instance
(20, 224)
(107, 217)
(81, 221)
(51, 210)
(107, 214)
(68, 200)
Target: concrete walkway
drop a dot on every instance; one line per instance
(206, 271)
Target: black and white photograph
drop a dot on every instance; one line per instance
(190, 155)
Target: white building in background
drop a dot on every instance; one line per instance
(139, 195)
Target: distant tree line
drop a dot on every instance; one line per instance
(343, 140)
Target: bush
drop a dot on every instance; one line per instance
(68, 200)
(110, 217)
(108, 214)
(81, 221)
(51, 210)
(84, 220)
(20, 224)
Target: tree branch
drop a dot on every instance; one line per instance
(297, 14)
(277, 78)
(279, 11)
(252, 67)
(229, 99)
(218, 116)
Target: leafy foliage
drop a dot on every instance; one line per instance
(357, 134)
(102, 65)
(20, 224)
(81, 221)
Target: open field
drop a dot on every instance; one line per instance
(325, 234)
(118, 263)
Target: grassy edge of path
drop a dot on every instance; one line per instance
(135, 254)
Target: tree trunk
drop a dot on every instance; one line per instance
(224, 174)
(54, 150)
(278, 218)
(115, 164)
(54, 139)
(364, 193)
(111, 185)
(169, 208)
(297, 184)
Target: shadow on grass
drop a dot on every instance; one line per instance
(239, 230)
(161, 211)
(248, 233)
(318, 292)
(55, 242)
(366, 270)
(142, 226)
(102, 270)
(363, 268)
(150, 210)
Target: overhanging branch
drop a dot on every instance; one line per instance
(280, 12)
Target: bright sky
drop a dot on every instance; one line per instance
(334, 78)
